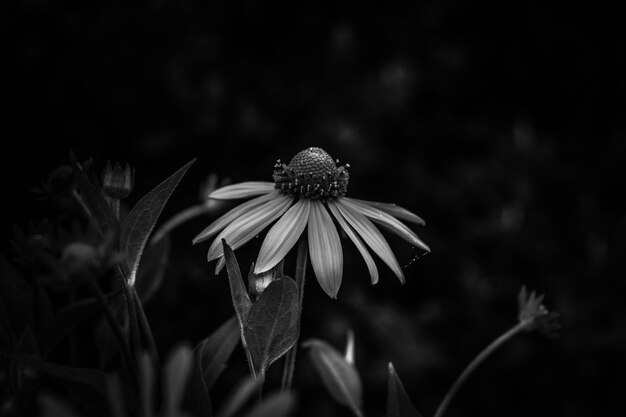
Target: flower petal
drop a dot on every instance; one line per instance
(242, 190)
(282, 236)
(325, 249)
(394, 210)
(248, 225)
(371, 235)
(369, 261)
(386, 220)
(232, 215)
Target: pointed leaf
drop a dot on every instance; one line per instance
(154, 263)
(94, 202)
(398, 402)
(142, 218)
(276, 405)
(340, 378)
(238, 292)
(210, 356)
(272, 327)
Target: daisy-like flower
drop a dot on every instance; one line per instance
(308, 193)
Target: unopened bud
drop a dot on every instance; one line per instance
(118, 182)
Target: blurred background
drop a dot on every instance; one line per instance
(502, 126)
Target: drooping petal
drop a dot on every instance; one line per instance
(387, 221)
(248, 225)
(369, 261)
(394, 210)
(325, 249)
(282, 236)
(242, 190)
(233, 215)
(371, 235)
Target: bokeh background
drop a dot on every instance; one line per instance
(502, 125)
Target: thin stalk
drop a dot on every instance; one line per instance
(145, 327)
(474, 364)
(290, 358)
(132, 315)
(116, 329)
(182, 217)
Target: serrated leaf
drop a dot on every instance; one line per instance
(64, 321)
(153, 266)
(280, 404)
(94, 201)
(340, 378)
(238, 292)
(272, 327)
(398, 402)
(141, 220)
(210, 356)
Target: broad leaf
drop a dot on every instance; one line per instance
(142, 218)
(276, 405)
(340, 378)
(239, 294)
(94, 202)
(177, 367)
(272, 327)
(210, 356)
(153, 266)
(398, 402)
(62, 323)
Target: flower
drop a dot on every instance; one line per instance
(308, 193)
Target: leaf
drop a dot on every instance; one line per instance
(238, 292)
(142, 218)
(54, 407)
(93, 378)
(153, 266)
(272, 327)
(340, 378)
(177, 368)
(398, 402)
(94, 202)
(62, 323)
(210, 356)
(240, 395)
(277, 405)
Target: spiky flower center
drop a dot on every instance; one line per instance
(313, 174)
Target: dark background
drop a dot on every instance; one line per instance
(502, 126)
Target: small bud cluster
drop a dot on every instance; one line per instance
(313, 174)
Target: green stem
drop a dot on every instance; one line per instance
(290, 358)
(132, 316)
(116, 329)
(474, 364)
(144, 324)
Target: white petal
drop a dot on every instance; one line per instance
(369, 261)
(232, 215)
(394, 210)
(248, 225)
(371, 235)
(325, 249)
(242, 190)
(282, 236)
(386, 220)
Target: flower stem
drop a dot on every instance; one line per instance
(474, 364)
(182, 217)
(116, 329)
(290, 358)
(145, 327)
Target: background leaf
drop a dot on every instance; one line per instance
(177, 367)
(272, 327)
(398, 402)
(279, 404)
(210, 356)
(339, 377)
(142, 218)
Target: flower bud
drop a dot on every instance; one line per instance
(117, 181)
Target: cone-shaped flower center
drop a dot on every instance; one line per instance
(313, 174)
